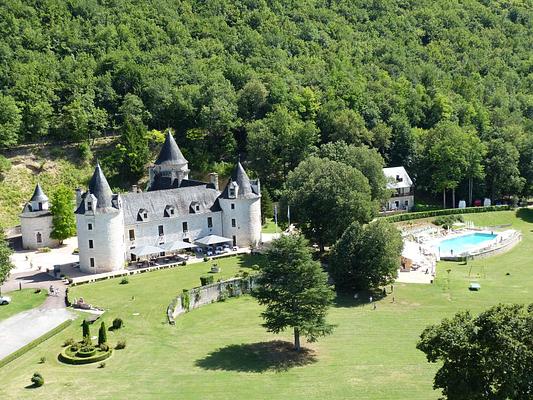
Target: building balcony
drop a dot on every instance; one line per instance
(405, 194)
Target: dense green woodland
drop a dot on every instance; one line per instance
(441, 87)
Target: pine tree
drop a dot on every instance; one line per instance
(63, 222)
(295, 290)
(267, 208)
(102, 334)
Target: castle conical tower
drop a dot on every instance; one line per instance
(241, 205)
(36, 221)
(100, 226)
(170, 168)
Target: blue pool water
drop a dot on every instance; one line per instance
(463, 243)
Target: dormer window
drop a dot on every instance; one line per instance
(233, 190)
(399, 178)
(195, 207)
(142, 215)
(169, 211)
(89, 206)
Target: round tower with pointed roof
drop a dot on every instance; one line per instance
(100, 227)
(170, 167)
(36, 222)
(241, 205)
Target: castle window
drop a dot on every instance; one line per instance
(91, 244)
(142, 215)
(185, 227)
(233, 206)
(89, 227)
(231, 192)
(30, 208)
(169, 211)
(209, 222)
(91, 261)
(132, 234)
(89, 206)
(233, 224)
(161, 230)
(40, 206)
(39, 237)
(197, 207)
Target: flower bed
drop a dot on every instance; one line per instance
(79, 357)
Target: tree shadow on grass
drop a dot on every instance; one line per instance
(346, 300)
(525, 214)
(276, 356)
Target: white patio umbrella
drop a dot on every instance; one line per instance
(177, 245)
(147, 250)
(213, 239)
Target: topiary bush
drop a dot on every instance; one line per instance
(117, 323)
(102, 334)
(207, 280)
(124, 281)
(121, 344)
(448, 211)
(37, 380)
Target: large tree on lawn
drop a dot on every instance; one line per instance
(326, 196)
(294, 290)
(366, 257)
(62, 209)
(485, 357)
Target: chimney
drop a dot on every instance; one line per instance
(213, 179)
(78, 197)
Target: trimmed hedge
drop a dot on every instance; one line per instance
(447, 211)
(35, 343)
(68, 359)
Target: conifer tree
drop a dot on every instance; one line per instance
(295, 290)
(102, 334)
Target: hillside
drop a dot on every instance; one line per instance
(273, 80)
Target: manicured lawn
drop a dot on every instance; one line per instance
(21, 300)
(218, 351)
(270, 226)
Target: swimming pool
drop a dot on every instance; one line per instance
(461, 244)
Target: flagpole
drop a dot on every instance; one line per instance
(289, 215)
(276, 217)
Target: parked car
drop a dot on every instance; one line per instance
(218, 250)
(234, 248)
(209, 252)
(4, 300)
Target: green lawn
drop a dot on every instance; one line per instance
(21, 300)
(270, 226)
(218, 351)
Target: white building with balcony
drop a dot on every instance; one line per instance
(401, 185)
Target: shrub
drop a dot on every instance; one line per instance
(121, 344)
(86, 332)
(102, 334)
(446, 221)
(37, 380)
(183, 263)
(5, 166)
(68, 342)
(103, 347)
(84, 151)
(186, 299)
(117, 323)
(124, 281)
(75, 347)
(101, 365)
(207, 280)
(223, 296)
(42, 360)
(206, 259)
(87, 351)
(43, 250)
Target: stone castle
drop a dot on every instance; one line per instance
(112, 227)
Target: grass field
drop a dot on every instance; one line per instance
(270, 226)
(221, 351)
(22, 300)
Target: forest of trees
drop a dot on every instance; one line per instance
(443, 88)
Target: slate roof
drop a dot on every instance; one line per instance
(99, 187)
(392, 182)
(38, 194)
(247, 188)
(181, 198)
(170, 152)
